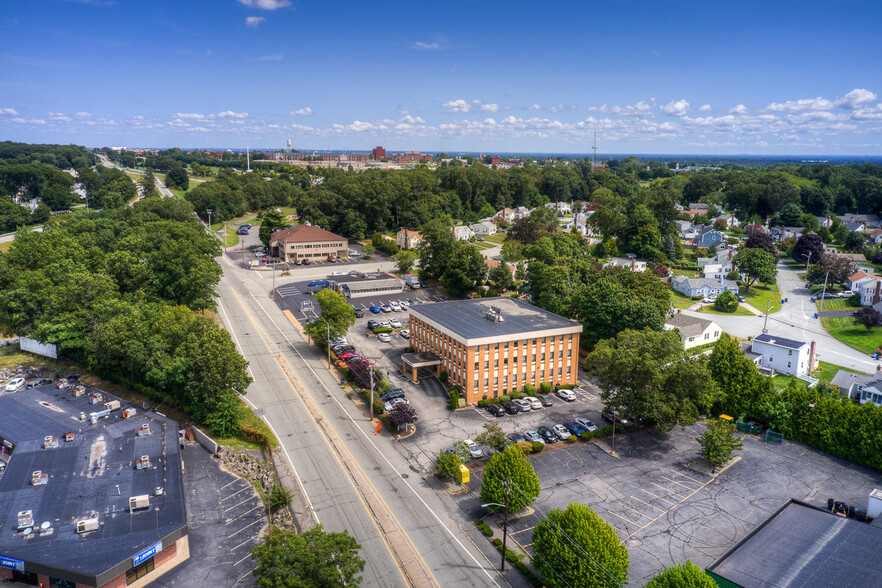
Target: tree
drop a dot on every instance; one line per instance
(447, 463)
(315, 558)
(753, 265)
(854, 240)
(465, 271)
(640, 234)
(512, 251)
(790, 215)
(808, 244)
(177, 177)
(718, 442)
(685, 575)
(575, 547)
(720, 225)
(726, 302)
(648, 374)
(270, 222)
(501, 277)
(405, 260)
(757, 238)
(368, 250)
(437, 248)
(834, 268)
(335, 318)
(493, 436)
(148, 185)
(510, 466)
(868, 317)
(670, 248)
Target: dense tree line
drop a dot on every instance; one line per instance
(117, 290)
(59, 156)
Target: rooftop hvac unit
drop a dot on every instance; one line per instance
(874, 504)
(82, 416)
(143, 463)
(79, 391)
(112, 405)
(38, 478)
(50, 442)
(95, 398)
(68, 437)
(494, 316)
(129, 412)
(138, 502)
(94, 416)
(144, 430)
(86, 525)
(25, 519)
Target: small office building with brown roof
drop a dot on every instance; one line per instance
(307, 242)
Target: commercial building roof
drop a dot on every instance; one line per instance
(304, 234)
(690, 326)
(94, 474)
(467, 319)
(780, 341)
(801, 546)
(363, 285)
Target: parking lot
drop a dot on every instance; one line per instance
(243, 254)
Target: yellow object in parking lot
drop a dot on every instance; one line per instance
(726, 417)
(463, 474)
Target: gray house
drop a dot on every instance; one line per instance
(700, 287)
(708, 236)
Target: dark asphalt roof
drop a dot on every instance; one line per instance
(467, 319)
(802, 546)
(765, 337)
(83, 478)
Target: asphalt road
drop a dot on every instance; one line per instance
(796, 321)
(355, 481)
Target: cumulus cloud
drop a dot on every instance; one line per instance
(801, 105)
(412, 120)
(738, 109)
(305, 111)
(9, 111)
(856, 98)
(266, 4)
(490, 107)
(59, 116)
(190, 115)
(705, 108)
(561, 108)
(231, 114)
(83, 115)
(423, 46)
(642, 108)
(678, 108)
(457, 106)
(253, 21)
(29, 121)
(535, 107)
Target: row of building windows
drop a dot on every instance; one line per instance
(293, 246)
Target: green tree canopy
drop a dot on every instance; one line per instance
(685, 575)
(718, 442)
(335, 318)
(753, 265)
(512, 467)
(314, 559)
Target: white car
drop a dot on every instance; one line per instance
(534, 402)
(396, 324)
(567, 395)
(15, 385)
(474, 450)
(561, 431)
(395, 306)
(339, 341)
(385, 325)
(405, 333)
(404, 304)
(388, 405)
(384, 337)
(522, 404)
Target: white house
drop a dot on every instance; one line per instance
(870, 290)
(700, 287)
(408, 239)
(462, 233)
(693, 331)
(785, 356)
(559, 207)
(484, 229)
(683, 225)
(630, 261)
(729, 219)
(852, 385)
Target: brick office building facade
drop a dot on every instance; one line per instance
(488, 357)
(307, 242)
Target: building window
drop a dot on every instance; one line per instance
(139, 571)
(788, 364)
(789, 352)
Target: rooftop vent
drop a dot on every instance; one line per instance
(87, 525)
(79, 391)
(50, 442)
(143, 463)
(144, 430)
(159, 491)
(494, 315)
(38, 478)
(25, 519)
(69, 437)
(96, 398)
(129, 412)
(139, 502)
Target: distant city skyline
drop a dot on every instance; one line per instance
(755, 78)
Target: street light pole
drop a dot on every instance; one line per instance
(328, 341)
(371, 407)
(507, 485)
(766, 321)
(209, 211)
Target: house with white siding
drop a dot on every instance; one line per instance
(701, 287)
(785, 356)
(693, 331)
(463, 233)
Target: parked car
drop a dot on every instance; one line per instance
(511, 407)
(15, 384)
(522, 404)
(395, 306)
(567, 395)
(298, 262)
(386, 308)
(534, 402)
(496, 410)
(39, 382)
(396, 324)
(516, 438)
(347, 355)
(341, 349)
(533, 437)
(339, 341)
(392, 394)
(388, 405)
(384, 337)
(359, 312)
(375, 309)
(241, 231)
(575, 428)
(306, 262)
(561, 431)
(385, 324)
(548, 436)
(404, 304)
(709, 299)
(372, 324)
(588, 424)
(332, 259)
(546, 400)
(423, 284)
(405, 333)
(474, 450)
(612, 417)
(847, 294)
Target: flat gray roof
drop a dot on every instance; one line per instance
(466, 319)
(803, 546)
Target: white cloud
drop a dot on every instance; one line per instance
(275, 57)
(561, 107)
(58, 116)
(739, 109)
(642, 108)
(412, 120)
(305, 111)
(253, 21)
(535, 107)
(490, 107)
(231, 114)
(192, 116)
(457, 106)
(856, 97)
(801, 105)
(29, 121)
(10, 111)
(422, 46)
(266, 4)
(83, 115)
(705, 108)
(678, 108)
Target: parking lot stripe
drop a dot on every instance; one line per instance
(260, 520)
(243, 559)
(629, 521)
(240, 545)
(678, 483)
(522, 530)
(230, 484)
(246, 574)
(243, 514)
(236, 492)
(647, 504)
(483, 416)
(239, 504)
(667, 489)
(687, 477)
(637, 512)
(659, 497)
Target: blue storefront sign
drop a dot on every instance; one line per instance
(12, 564)
(147, 553)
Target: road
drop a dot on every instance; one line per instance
(356, 481)
(795, 321)
(163, 191)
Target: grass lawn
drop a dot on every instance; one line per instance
(498, 238)
(837, 304)
(688, 273)
(857, 336)
(758, 296)
(740, 311)
(825, 373)
(178, 193)
(679, 300)
(483, 245)
(4, 247)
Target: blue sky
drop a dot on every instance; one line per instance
(649, 77)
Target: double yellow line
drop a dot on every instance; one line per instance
(339, 450)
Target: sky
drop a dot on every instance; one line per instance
(765, 78)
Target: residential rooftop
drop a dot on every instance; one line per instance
(690, 326)
(780, 341)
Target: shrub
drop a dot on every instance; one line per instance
(487, 401)
(726, 302)
(565, 386)
(537, 446)
(504, 398)
(545, 388)
(484, 527)
(585, 435)
(279, 497)
(572, 438)
(444, 376)
(604, 432)
(454, 400)
(379, 330)
(525, 446)
(408, 349)
(516, 395)
(529, 390)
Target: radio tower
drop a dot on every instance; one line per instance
(594, 148)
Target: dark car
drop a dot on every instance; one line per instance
(740, 298)
(372, 324)
(548, 435)
(545, 400)
(496, 410)
(423, 284)
(392, 394)
(359, 312)
(516, 438)
(611, 417)
(351, 358)
(241, 231)
(306, 262)
(511, 408)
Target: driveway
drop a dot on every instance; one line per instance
(795, 321)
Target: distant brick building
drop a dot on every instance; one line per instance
(378, 153)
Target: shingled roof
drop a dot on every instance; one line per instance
(304, 234)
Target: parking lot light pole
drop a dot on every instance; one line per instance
(328, 342)
(506, 484)
(209, 211)
(371, 407)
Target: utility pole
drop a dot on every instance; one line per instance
(823, 292)
(766, 322)
(371, 407)
(209, 211)
(808, 261)
(507, 484)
